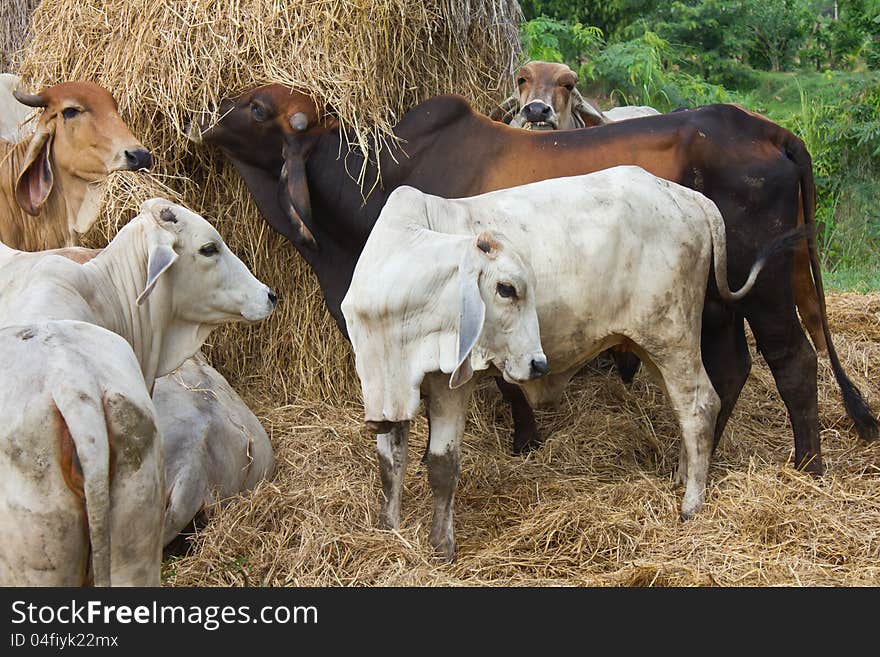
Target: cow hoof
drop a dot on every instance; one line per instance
(813, 465)
(444, 548)
(689, 509)
(530, 445)
(388, 523)
(445, 553)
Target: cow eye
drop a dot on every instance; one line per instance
(70, 112)
(506, 290)
(569, 86)
(259, 112)
(209, 250)
(521, 81)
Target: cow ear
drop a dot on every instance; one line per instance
(35, 181)
(159, 261)
(293, 193)
(585, 111)
(505, 111)
(471, 315)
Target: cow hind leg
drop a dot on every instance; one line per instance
(392, 452)
(627, 364)
(696, 405)
(806, 298)
(525, 430)
(792, 361)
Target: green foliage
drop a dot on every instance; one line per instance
(608, 15)
(841, 129)
(551, 40)
(696, 52)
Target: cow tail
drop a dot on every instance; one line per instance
(853, 400)
(88, 430)
(719, 252)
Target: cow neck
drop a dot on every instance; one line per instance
(81, 201)
(115, 278)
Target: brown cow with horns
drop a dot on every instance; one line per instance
(54, 175)
(755, 171)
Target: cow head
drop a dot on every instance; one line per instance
(497, 314)
(192, 272)
(79, 134)
(547, 99)
(250, 129)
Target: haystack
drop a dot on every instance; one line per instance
(14, 18)
(370, 60)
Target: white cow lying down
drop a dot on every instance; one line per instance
(580, 234)
(214, 445)
(163, 284)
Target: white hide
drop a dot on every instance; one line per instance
(406, 304)
(13, 115)
(214, 445)
(619, 256)
(166, 318)
(71, 385)
(155, 288)
(629, 112)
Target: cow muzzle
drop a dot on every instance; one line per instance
(137, 159)
(538, 115)
(525, 368)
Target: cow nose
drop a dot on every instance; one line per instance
(537, 111)
(273, 298)
(539, 367)
(139, 158)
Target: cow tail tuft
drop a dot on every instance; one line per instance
(856, 406)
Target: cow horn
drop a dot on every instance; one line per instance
(299, 121)
(31, 100)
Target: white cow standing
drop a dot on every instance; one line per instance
(423, 305)
(627, 112)
(161, 286)
(620, 256)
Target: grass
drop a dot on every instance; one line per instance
(778, 95)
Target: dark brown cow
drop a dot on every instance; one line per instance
(754, 170)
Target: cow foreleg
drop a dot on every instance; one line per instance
(447, 409)
(525, 430)
(392, 451)
(627, 364)
(726, 358)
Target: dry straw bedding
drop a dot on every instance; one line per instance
(596, 506)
